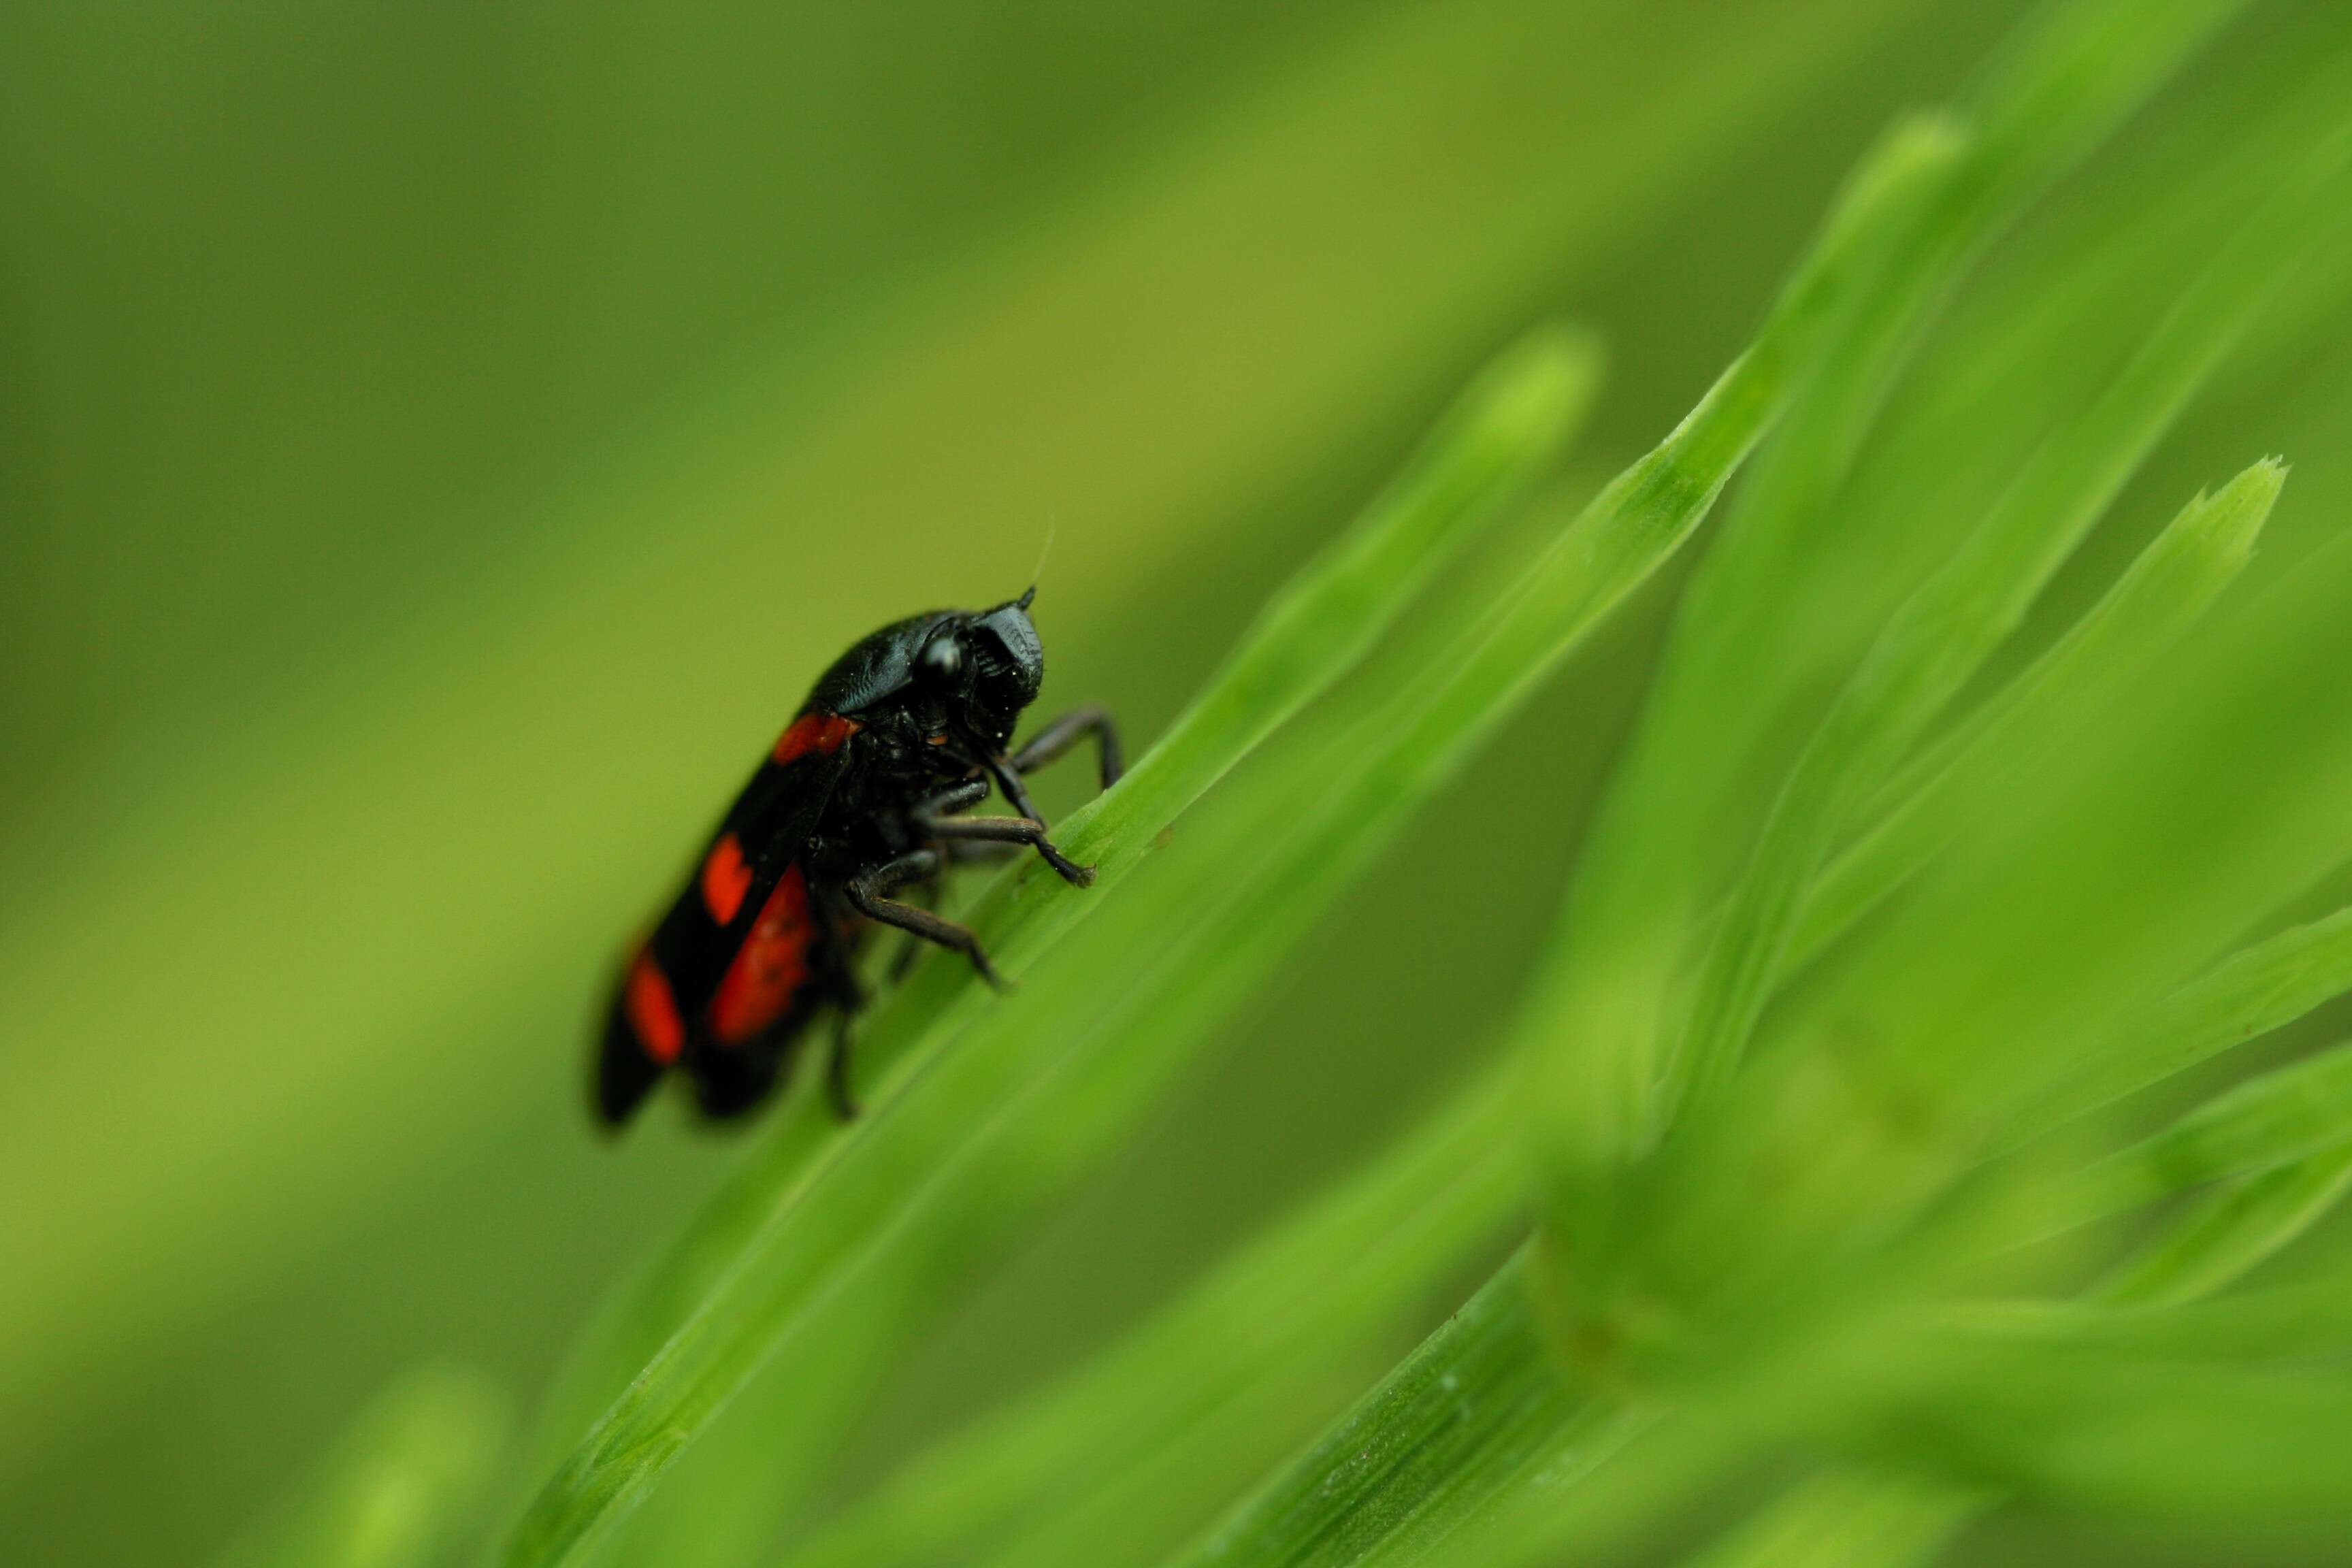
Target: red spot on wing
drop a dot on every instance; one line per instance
(817, 731)
(769, 968)
(726, 878)
(652, 1011)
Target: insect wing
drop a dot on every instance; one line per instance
(739, 898)
(755, 848)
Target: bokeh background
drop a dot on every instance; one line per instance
(438, 443)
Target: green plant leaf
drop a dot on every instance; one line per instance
(2172, 584)
(1264, 1532)
(1855, 1519)
(2231, 1231)
(1794, 589)
(1214, 915)
(1436, 723)
(1612, 547)
(1477, 1407)
(395, 1490)
(1189, 1389)
(986, 1111)
(2253, 991)
(2212, 1412)
(820, 1217)
(1945, 632)
(1845, 1519)
(2283, 1117)
(1502, 431)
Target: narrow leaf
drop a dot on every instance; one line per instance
(395, 1489)
(2279, 1118)
(1845, 1519)
(2254, 991)
(1945, 631)
(2176, 579)
(2231, 1231)
(1790, 591)
(817, 1216)
(1477, 1406)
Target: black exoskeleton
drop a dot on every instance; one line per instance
(862, 799)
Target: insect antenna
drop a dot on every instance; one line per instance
(1037, 572)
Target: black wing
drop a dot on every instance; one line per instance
(660, 1006)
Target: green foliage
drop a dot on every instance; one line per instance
(915, 1152)
(399, 1488)
(2172, 584)
(1751, 1189)
(1815, 1159)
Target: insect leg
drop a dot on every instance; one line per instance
(911, 947)
(958, 797)
(866, 895)
(837, 1068)
(1025, 830)
(1008, 779)
(849, 1000)
(1062, 733)
(730, 1081)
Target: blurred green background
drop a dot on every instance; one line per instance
(437, 444)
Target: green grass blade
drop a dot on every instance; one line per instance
(1773, 1219)
(1625, 535)
(396, 1490)
(2248, 995)
(2289, 1114)
(1856, 1520)
(1479, 1403)
(1473, 1453)
(1641, 518)
(1269, 1324)
(1781, 602)
(989, 1108)
(2310, 1318)
(1510, 422)
(2216, 1242)
(2232, 1230)
(1945, 631)
(1608, 551)
(1335, 611)
(1099, 1031)
(2226, 1411)
(2172, 584)
(1643, 515)
(1845, 1519)
(1272, 1530)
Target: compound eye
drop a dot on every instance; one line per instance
(941, 661)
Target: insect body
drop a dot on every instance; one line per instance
(861, 796)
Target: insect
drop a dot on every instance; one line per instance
(862, 796)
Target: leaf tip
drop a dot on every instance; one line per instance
(1533, 395)
(2236, 513)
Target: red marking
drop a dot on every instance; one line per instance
(652, 1011)
(769, 968)
(725, 880)
(820, 732)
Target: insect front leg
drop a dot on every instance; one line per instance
(1061, 734)
(961, 796)
(1025, 830)
(849, 1000)
(910, 947)
(836, 1066)
(866, 893)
